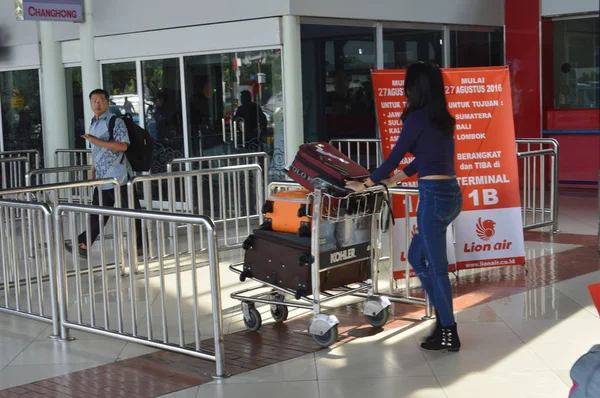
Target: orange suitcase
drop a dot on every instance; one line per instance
(287, 212)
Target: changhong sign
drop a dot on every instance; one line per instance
(49, 10)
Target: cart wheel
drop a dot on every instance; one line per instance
(328, 338)
(280, 313)
(255, 321)
(379, 320)
(243, 276)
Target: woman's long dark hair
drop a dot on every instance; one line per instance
(424, 88)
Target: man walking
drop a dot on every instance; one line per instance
(108, 161)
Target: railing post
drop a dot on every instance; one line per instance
(53, 274)
(215, 289)
(556, 187)
(61, 275)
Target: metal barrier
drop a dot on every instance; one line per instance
(54, 175)
(366, 152)
(213, 162)
(102, 325)
(232, 197)
(32, 229)
(54, 194)
(17, 168)
(72, 157)
(32, 155)
(540, 207)
(408, 194)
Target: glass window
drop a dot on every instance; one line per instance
(120, 80)
(224, 88)
(336, 75)
(75, 104)
(476, 48)
(576, 63)
(21, 110)
(162, 110)
(402, 47)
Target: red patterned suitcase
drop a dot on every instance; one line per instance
(321, 165)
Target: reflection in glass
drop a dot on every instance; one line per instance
(75, 104)
(577, 63)
(402, 47)
(336, 78)
(235, 104)
(476, 48)
(120, 81)
(162, 110)
(21, 110)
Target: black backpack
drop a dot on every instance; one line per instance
(141, 147)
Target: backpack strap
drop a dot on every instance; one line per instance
(111, 127)
(111, 133)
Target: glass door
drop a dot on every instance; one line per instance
(75, 106)
(235, 104)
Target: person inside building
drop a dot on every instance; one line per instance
(428, 134)
(108, 161)
(255, 120)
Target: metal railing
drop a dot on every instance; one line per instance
(539, 161)
(32, 155)
(231, 196)
(366, 152)
(24, 272)
(72, 157)
(539, 195)
(14, 170)
(80, 192)
(395, 249)
(71, 192)
(97, 320)
(57, 175)
(213, 162)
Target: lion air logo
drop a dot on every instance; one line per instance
(486, 229)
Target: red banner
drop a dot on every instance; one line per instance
(489, 230)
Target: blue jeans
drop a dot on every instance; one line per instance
(440, 202)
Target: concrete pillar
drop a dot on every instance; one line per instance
(90, 68)
(292, 86)
(54, 104)
(523, 54)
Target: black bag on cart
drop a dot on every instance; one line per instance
(284, 260)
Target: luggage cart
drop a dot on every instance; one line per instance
(356, 207)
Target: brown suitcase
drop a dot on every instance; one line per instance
(287, 212)
(284, 260)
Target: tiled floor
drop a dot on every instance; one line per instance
(518, 335)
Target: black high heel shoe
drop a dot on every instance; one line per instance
(446, 340)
